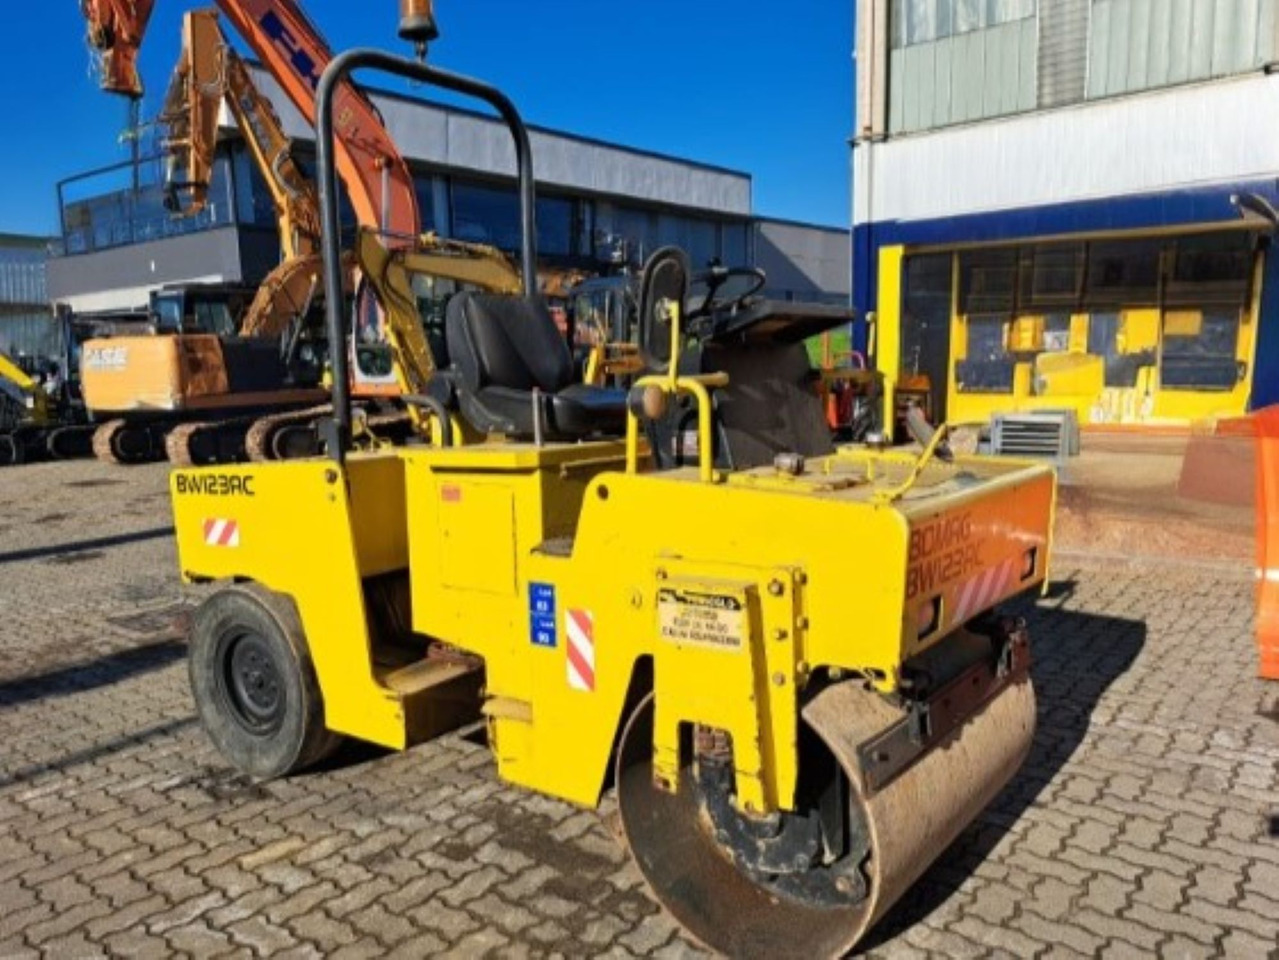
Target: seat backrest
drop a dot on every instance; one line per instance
(506, 341)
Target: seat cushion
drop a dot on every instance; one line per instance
(505, 348)
(581, 410)
(509, 342)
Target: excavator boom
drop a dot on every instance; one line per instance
(209, 73)
(293, 51)
(115, 31)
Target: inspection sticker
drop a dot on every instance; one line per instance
(541, 614)
(715, 620)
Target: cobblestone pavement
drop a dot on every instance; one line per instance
(1138, 826)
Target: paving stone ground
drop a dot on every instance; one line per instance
(1140, 826)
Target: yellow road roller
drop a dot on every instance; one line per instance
(784, 656)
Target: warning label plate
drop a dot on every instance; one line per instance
(702, 618)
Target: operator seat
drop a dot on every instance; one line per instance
(502, 348)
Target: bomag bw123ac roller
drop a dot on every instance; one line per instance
(783, 655)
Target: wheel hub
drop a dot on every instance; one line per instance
(252, 684)
(814, 854)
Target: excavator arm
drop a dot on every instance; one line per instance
(21, 397)
(390, 275)
(209, 72)
(115, 32)
(293, 51)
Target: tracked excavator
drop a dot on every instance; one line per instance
(650, 589)
(234, 380)
(39, 420)
(195, 396)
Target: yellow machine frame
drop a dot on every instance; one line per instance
(469, 525)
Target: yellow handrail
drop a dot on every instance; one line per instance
(673, 385)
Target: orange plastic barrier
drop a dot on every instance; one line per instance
(1267, 422)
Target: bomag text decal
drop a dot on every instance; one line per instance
(940, 552)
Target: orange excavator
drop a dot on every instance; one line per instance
(195, 395)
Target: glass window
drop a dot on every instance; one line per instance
(988, 367)
(167, 313)
(253, 204)
(701, 242)
(928, 20)
(988, 281)
(1199, 350)
(987, 339)
(925, 21)
(491, 215)
(584, 228)
(928, 281)
(1123, 273)
(555, 226)
(1056, 333)
(216, 318)
(1051, 276)
(424, 188)
(1215, 268)
(1194, 333)
(1006, 11)
(968, 15)
(486, 215)
(638, 228)
(735, 245)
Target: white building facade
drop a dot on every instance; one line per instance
(1043, 210)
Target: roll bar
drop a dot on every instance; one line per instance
(337, 432)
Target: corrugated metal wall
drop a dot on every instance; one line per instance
(954, 61)
(1139, 44)
(1063, 51)
(26, 324)
(35, 334)
(22, 276)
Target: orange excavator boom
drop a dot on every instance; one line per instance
(295, 54)
(115, 31)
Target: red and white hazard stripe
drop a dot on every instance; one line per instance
(221, 533)
(580, 627)
(983, 590)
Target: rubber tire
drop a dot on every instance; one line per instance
(301, 738)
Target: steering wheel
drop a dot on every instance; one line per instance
(751, 281)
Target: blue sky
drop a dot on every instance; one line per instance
(760, 87)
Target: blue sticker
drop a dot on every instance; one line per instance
(541, 610)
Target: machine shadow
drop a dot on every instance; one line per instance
(1076, 656)
(102, 672)
(70, 550)
(90, 754)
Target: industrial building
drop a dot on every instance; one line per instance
(24, 299)
(120, 242)
(1069, 204)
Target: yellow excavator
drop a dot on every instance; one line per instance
(42, 416)
(786, 657)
